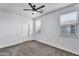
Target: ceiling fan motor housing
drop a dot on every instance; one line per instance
(34, 6)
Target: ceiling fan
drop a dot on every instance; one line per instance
(34, 9)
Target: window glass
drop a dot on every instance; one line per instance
(68, 29)
(38, 25)
(68, 23)
(73, 29)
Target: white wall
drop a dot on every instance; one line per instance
(13, 29)
(50, 31)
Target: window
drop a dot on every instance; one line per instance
(68, 29)
(68, 23)
(37, 25)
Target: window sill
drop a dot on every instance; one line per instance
(69, 36)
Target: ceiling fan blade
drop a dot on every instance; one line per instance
(31, 5)
(40, 7)
(28, 9)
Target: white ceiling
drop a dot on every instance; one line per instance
(18, 8)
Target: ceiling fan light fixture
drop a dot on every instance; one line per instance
(34, 12)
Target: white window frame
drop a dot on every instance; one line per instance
(76, 31)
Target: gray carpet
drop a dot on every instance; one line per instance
(33, 48)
